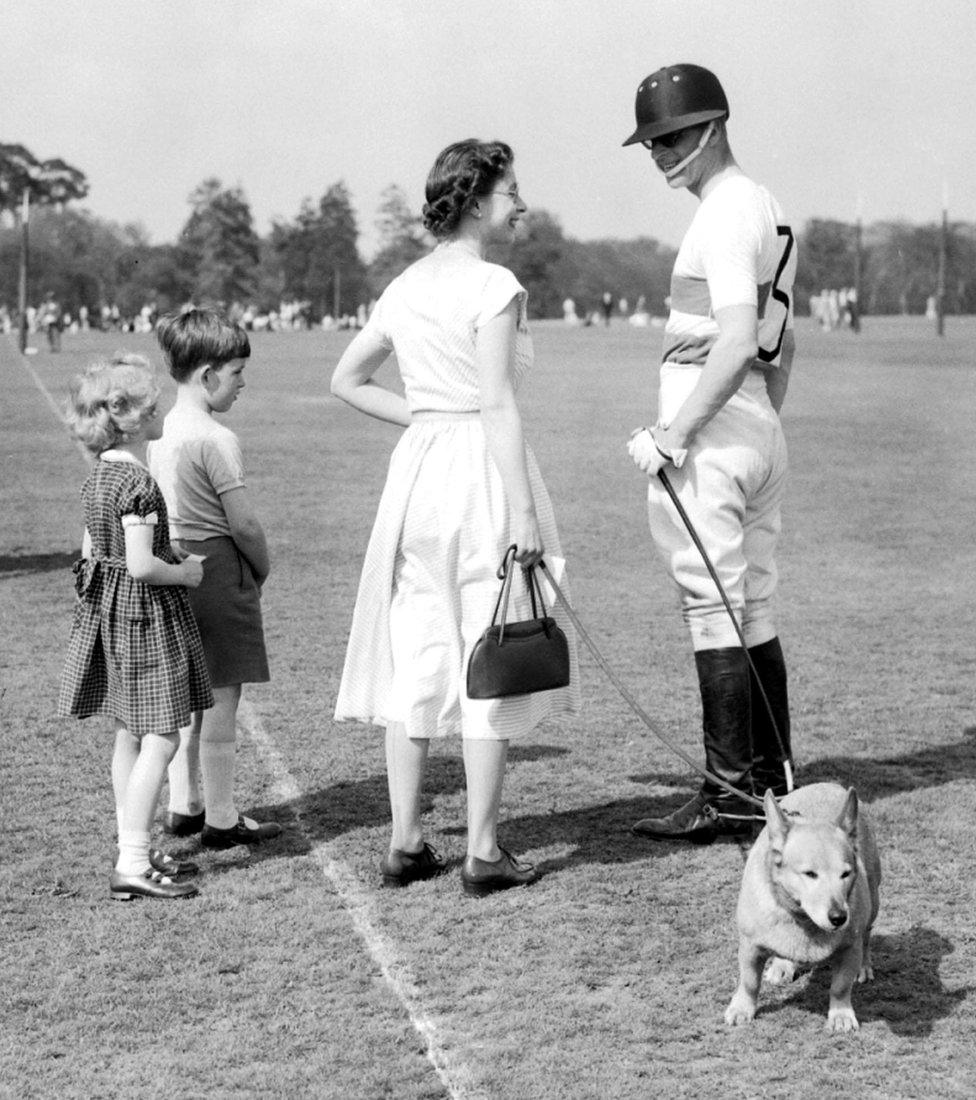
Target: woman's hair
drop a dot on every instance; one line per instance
(462, 173)
(110, 399)
(196, 337)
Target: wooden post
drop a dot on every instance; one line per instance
(22, 287)
(858, 262)
(940, 289)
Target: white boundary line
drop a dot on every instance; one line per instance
(453, 1074)
(358, 903)
(45, 393)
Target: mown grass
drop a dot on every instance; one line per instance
(609, 977)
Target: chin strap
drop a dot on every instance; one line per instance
(696, 152)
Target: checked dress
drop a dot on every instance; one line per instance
(134, 651)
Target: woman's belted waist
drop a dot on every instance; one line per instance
(429, 415)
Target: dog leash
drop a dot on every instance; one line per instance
(632, 702)
(689, 526)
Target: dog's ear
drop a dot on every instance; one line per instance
(848, 816)
(777, 824)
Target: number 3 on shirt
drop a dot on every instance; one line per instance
(778, 304)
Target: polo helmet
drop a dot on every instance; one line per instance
(674, 98)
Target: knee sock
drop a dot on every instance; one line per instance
(217, 771)
(184, 775)
(133, 852)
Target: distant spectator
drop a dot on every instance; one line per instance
(640, 317)
(50, 318)
(607, 307)
(851, 316)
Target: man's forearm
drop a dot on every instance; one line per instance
(724, 372)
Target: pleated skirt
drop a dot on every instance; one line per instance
(429, 586)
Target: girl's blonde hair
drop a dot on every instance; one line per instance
(111, 399)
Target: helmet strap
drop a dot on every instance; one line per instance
(694, 154)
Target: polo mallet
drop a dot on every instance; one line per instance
(689, 526)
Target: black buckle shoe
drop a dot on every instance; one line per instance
(170, 866)
(150, 884)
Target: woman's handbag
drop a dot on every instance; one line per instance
(518, 658)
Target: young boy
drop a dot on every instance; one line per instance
(199, 467)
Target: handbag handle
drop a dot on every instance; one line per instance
(532, 582)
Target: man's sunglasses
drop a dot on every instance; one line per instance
(668, 141)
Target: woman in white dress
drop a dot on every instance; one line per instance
(462, 486)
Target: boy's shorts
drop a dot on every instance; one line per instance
(227, 608)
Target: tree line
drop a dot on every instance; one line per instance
(314, 258)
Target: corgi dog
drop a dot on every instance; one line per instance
(809, 894)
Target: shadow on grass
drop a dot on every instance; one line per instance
(597, 834)
(907, 993)
(359, 804)
(931, 766)
(38, 563)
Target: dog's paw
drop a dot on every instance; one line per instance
(780, 972)
(740, 1011)
(866, 974)
(842, 1019)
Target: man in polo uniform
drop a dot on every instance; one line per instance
(728, 348)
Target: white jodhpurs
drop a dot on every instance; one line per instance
(731, 486)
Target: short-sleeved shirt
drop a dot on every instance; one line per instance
(195, 461)
(430, 316)
(739, 250)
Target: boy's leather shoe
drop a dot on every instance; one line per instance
(241, 833)
(183, 824)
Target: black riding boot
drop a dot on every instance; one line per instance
(723, 677)
(767, 752)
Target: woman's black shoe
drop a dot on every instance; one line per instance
(401, 868)
(480, 877)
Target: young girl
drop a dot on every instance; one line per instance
(134, 651)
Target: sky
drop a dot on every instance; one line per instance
(843, 109)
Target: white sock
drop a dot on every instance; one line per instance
(184, 785)
(133, 852)
(217, 771)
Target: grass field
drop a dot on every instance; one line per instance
(292, 975)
